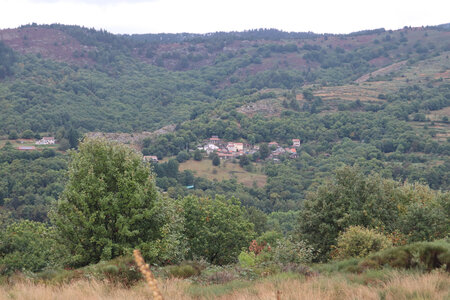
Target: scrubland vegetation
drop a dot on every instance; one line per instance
(397, 233)
(376, 285)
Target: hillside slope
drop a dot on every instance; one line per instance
(68, 76)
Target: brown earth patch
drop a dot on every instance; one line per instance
(132, 139)
(50, 43)
(382, 71)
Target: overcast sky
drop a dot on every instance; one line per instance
(201, 16)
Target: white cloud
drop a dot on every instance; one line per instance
(151, 16)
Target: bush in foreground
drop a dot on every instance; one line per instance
(358, 241)
(421, 255)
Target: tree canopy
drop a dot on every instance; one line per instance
(216, 228)
(108, 205)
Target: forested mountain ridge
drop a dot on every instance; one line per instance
(69, 76)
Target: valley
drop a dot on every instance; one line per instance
(241, 164)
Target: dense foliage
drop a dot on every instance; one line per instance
(357, 241)
(353, 199)
(30, 182)
(216, 229)
(108, 205)
(7, 59)
(137, 83)
(28, 246)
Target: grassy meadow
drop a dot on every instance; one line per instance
(27, 143)
(226, 170)
(369, 285)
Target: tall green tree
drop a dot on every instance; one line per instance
(216, 160)
(198, 155)
(73, 136)
(351, 199)
(108, 206)
(216, 229)
(244, 160)
(264, 151)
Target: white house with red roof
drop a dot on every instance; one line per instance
(274, 144)
(215, 140)
(292, 152)
(239, 146)
(231, 147)
(295, 142)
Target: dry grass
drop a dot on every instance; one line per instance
(367, 91)
(429, 286)
(226, 170)
(437, 115)
(90, 290)
(382, 71)
(397, 286)
(148, 275)
(266, 107)
(441, 129)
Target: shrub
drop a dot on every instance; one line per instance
(183, 271)
(256, 247)
(216, 160)
(121, 270)
(358, 241)
(28, 246)
(422, 255)
(289, 251)
(346, 265)
(270, 237)
(221, 277)
(183, 156)
(299, 269)
(246, 259)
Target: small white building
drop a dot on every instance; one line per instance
(231, 147)
(295, 142)
(46, 140)
(151, 158)
(239, 146)
(210, 148)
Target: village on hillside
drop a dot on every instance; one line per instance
(229, 150)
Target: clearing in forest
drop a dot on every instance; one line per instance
(226, 170)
